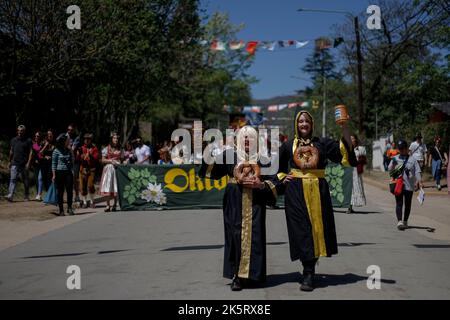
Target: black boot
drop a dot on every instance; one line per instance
(236, 284)
(308, 282)
(70, 212)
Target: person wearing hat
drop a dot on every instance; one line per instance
(407, 167)
(62, 164)
(418, 150)
(436, 160)
(88, 157)
(308, 204)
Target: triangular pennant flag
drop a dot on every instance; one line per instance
(236, 45)
(269, 45)
(273, 108)
(288, 43)
(337, 42)
(218, 45)
(300, 44)
(256, 109)
(203, 42)
(304, 104)
(281, 44)
(315, 104)
(323, 43)
(247, 109)
(282, 106)
(251, 47)
(292, 105)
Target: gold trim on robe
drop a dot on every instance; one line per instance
(246, 232)
(344, 154)
(311, 193)
(272, 187)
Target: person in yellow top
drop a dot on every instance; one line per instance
(392, 152)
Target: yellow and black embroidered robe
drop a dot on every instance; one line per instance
(244, 217)
(308, 206)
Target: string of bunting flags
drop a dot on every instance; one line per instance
(271, 108)
(252, 46)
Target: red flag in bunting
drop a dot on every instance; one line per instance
(251, 47)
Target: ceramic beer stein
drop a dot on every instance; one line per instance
(341, 114)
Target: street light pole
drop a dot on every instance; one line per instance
(358, 59)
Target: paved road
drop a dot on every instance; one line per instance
(178, 255)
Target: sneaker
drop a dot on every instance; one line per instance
(70, 212)
(38, 198)
(439, 187)
(26, 199)
(405, 224)
(9, 198)
(400, 225)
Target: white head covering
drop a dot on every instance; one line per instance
(250, 134)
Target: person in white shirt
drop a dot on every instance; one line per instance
(142, 152)
(418, 150)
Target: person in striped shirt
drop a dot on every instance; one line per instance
(62, 164)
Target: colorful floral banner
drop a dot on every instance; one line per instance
(155, 187)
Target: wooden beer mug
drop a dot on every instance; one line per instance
(341, 114)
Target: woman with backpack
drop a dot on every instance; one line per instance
(406, 177)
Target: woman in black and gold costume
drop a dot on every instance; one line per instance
(308, 206)
(244, 210)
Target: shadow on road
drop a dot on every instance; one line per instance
(359, 212)
(321, 281)
(429, 229)
(212, 246)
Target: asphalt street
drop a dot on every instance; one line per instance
(179, 254)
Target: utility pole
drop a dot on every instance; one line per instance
(324, 113)
(359, 62)
(360, 85)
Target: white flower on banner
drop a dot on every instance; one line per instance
(154, 193)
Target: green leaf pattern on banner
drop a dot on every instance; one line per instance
(140, 182)
(334, 176)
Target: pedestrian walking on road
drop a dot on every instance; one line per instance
(358, 195)
(62, 165)
(418, 150)
(406, 174)
(308, 206)
(20, 156)
(436, 160)
(244, 210)
(37, 164)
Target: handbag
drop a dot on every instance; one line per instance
(51, 196)
(399, 186)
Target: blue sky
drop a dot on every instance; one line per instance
(279, 20)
